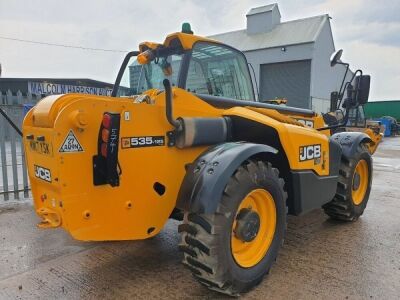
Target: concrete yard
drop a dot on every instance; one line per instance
(321, 259)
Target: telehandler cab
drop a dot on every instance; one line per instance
(182, 136)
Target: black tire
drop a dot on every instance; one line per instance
(206, 239)
(342, 207)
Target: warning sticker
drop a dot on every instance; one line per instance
(71, 144)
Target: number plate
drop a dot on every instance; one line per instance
(142, 141)
(41, 147)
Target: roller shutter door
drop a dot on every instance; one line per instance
(290, 80)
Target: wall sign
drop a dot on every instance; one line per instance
(48, 88)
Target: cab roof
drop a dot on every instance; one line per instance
(186, 40)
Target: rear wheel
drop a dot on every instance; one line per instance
(231, 250)
(354, 186)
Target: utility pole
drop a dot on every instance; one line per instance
(0, 70)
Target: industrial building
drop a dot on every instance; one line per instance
(290, 59)
(377, 109)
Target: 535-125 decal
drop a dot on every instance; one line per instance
(142, 141)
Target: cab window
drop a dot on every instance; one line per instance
(356, 117)
(218, 70)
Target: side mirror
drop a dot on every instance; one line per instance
(362, 82)
(335, 57)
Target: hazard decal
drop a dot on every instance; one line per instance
(71, 144)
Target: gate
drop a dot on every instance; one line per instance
(14, 184)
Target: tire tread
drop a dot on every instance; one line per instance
(200, 233)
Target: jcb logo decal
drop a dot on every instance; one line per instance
(310, 152)
(42, 173)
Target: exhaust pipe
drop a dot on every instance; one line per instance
(190, 132)
(168, 105)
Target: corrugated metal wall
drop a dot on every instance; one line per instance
(289, 80)
(379, 109)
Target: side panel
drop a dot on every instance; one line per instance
(311, 191)
(304, 147)
(307, 160)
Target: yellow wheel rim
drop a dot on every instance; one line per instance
(248, 254)
(360, 182)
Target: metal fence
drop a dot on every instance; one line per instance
(14, 183)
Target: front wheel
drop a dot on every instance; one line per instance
(354, 186)
(231, 250)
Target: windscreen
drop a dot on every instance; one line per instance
(139, 78)
(219, 70)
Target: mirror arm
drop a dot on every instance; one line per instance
(121, 72)
(351, 80)
(341, 93)
(346, 116)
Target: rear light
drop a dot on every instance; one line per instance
(105, 133)
(106, 121)
(105, 163)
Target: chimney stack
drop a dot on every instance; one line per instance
(263, 18)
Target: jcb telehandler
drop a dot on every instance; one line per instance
(182, 136)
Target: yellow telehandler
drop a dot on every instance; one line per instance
(183, 137)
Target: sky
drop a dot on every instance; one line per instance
(368, 32)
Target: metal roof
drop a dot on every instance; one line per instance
(284, 34)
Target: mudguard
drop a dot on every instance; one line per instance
(349, 141)
(207, 176)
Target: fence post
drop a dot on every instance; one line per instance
(19, 98)
(29, 97)
(14, 163)
(8, 97)
(24, 171)
(4, 158)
